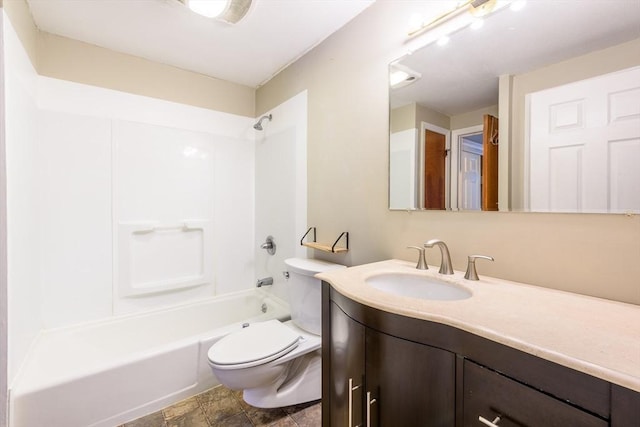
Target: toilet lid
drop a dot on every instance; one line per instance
(258, 343)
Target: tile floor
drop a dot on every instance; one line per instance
(220, 406)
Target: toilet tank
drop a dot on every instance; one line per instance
(305, 293)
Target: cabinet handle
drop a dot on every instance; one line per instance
(485, 421)
(351, 389)
(369, 402)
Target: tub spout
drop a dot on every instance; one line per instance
(267, 281)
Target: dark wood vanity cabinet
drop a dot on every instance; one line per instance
(380, 380)
(488, 394)
(385, 370)
(346, 376)
(410, 384)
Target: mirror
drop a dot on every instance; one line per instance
(523, 73)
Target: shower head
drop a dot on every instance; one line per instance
(258, 126)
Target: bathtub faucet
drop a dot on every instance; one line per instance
(267, 281)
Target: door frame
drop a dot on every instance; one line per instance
(456, 137)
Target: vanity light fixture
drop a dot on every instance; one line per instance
(476, 8)
(229, 11)
(462, 14)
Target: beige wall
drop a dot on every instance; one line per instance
(68, 59)
(427, 115)
(403, 118)
(412, 115)
(616, 58)
(348, 162)
(20, 17)
(473, 118)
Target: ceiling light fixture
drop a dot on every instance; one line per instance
(477, 8)
(401, 75)
(229, 11)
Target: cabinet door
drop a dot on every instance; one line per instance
(489, 395)
(347, 369)
(412, 384)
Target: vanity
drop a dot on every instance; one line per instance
(500, 354)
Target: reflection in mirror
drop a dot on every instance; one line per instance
(522, 72)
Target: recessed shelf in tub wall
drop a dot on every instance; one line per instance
(326, 247)
(154, 257)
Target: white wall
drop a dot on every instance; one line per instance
(403, 169)
(281, 189)
(3, 250)
(23, 277)
(74, 155)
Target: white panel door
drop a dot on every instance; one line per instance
(471, 180)
(585, 145)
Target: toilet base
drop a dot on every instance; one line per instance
(302, 383)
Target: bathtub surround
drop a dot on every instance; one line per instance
(281, 188)
(140, 180)
(23, 257)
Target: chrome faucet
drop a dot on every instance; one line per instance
(445, 265)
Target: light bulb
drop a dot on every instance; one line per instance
(208, 8)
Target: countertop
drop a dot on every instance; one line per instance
(592, 335)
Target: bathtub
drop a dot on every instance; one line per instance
(105, 373)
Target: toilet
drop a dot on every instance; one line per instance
(277, 363)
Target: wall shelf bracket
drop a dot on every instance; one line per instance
(324, 247)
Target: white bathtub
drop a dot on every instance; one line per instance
(105, 373)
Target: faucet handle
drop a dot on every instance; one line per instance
(471, 273)
(422, 262)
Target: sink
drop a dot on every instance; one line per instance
(417, 286)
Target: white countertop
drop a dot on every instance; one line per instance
(592, 335)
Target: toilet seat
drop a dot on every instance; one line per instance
(257, 344)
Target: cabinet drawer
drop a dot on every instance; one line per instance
(490, 394)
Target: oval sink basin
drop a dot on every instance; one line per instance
(414, 286)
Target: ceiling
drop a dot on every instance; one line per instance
(462, 76)
(271, 36)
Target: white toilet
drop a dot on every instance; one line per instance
(278, 364)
